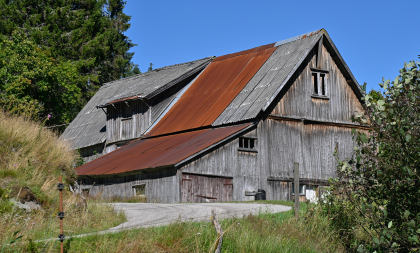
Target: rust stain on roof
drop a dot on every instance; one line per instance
(213, 90)
(156, 152)
(122, 99)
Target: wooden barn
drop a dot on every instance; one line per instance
(220, 128)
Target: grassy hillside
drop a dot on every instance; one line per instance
(31, 159)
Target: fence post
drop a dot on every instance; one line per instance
(60, 187)
(296, 188)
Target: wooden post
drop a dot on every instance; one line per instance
(296, 188)
(219, 231)
(60, 187)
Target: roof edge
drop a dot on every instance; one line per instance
(275, 94)
(303, 36)
(164, 87)
(178, 79)
(232, 136)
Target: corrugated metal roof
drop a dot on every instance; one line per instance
(88, 128)
(156, 152)
(148, 86)
(213, 91)
(269, 79)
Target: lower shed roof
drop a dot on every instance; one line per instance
(156, 152)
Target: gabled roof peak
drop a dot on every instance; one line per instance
(303, 36)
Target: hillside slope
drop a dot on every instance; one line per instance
(31, 160)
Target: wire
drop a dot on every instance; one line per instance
(56, 126)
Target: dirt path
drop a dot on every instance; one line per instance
(149, 214)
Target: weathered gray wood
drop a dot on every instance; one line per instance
(296, 186)
(319, 54)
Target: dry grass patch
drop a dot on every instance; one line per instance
(31, 159)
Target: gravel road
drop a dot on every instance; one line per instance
(150, 214)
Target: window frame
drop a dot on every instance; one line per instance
(321, 84)
(134, 186)
(301, 186)
(126, 110)
(245, 143)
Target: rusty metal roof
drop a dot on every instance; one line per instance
(213, 91)
(269, 79)
(156, 152)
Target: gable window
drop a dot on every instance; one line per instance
(319, 83)
(247, 144)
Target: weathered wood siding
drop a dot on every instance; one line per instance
(92, 152)
(295, 99)
(198, 188)
(161, 186)
(130, 120)
(280, 144)
(127, 121)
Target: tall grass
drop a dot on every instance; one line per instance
(265, 232)
(32, 157)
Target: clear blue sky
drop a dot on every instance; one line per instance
(375, 38)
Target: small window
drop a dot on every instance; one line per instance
(127, 112)
(139, 190)
(319, 83)
(302, 190)
(247, 144)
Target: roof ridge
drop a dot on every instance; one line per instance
(303, 36)
(108, 84)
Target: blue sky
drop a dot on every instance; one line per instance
(375, 38)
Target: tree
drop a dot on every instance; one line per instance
(150, 67)
(35, 84)
(133, 70)
(88, 33)
(378, 189)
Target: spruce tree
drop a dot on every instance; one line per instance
(88, 33)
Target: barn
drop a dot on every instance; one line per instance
(222, 128)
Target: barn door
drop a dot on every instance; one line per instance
(197, 188)
(187, 190)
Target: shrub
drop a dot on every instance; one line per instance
(374, 201)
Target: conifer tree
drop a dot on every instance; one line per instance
(88, 33)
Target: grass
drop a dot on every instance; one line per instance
(265, 232)
(32, 157)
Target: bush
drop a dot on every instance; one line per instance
(374, 201)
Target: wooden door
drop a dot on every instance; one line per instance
(197, 188)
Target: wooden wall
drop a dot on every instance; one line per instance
(92, 152)
(161, 186)
(295, 100)
(127, 121)
(198, 188)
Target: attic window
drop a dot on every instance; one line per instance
(127, 112)
(319, 83)
(247, 144)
